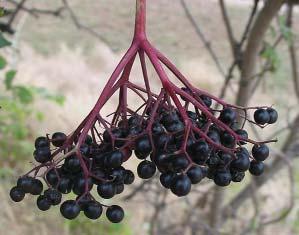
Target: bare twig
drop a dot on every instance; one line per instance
(228, 27)
(80, 25)
(203, 38)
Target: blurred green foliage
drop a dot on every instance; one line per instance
(16, 102)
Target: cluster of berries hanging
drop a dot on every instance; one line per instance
(179, 133)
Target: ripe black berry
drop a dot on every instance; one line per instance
(119, 188)
(260, 152)
(146, 169)
(227, 139)
(79, 185)
(228, 116)
(52, 177)
(115, 214)
(65, 185)
(199, 151)
(273, 115)
(256, 168)
(143, 145)
(70, 209)
(222, 178)
(58, 139)
(53, 196)
(261, 116)
(37, 187)
(42, 155)
(241, 163)
(181, 185)
(17, 194)
(93, 210)
(25, 184)
(106, 190)
(129, 177)
(167, 178)
(42, 142)
(43, 203)
(114, 159)
(72, 164)
(195, 174)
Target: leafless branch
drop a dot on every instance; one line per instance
(203, 38)
(228, 27)
(79, 24)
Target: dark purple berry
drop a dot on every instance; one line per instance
(261, 116)
(58, 139)
(256, 168)
(181, 185)
(260, 152)
(70, 209)
(115, 214)
(17, 194)
(146, 169)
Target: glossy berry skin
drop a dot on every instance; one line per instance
(115, 214)
(273, 115)
(195, 174)
(65, 185)
(222, 178)
(241, 163)
(70, 209)
(199, 151)
(106, 190)
(42, 142)
(17, 194)
(53, 196)
(25, 184)
(179, 162)
(256, 168)
(146, 169)
(43, 203)
(261, 116)
(37, 187)
(93, 210)
(52, 177)
(114, 159)
(129, 177)
(227, 139)
(79, 185)
(181, 185)
(72, 164)
(260, 152)
(42, 155)
(58, 139)
(228, 116)
(143, 145)
(166, 179)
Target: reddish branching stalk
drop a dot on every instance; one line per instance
(170, 98)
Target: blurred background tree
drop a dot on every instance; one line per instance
(252, 59)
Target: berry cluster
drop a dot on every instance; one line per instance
(179, 132)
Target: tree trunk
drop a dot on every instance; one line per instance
(255, 42)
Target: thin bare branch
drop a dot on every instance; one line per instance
(203, 38)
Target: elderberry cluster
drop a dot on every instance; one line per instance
(213, 148)
(66, 176)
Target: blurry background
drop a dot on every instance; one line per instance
(56, 56)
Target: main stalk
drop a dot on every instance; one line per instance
(140, 20)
